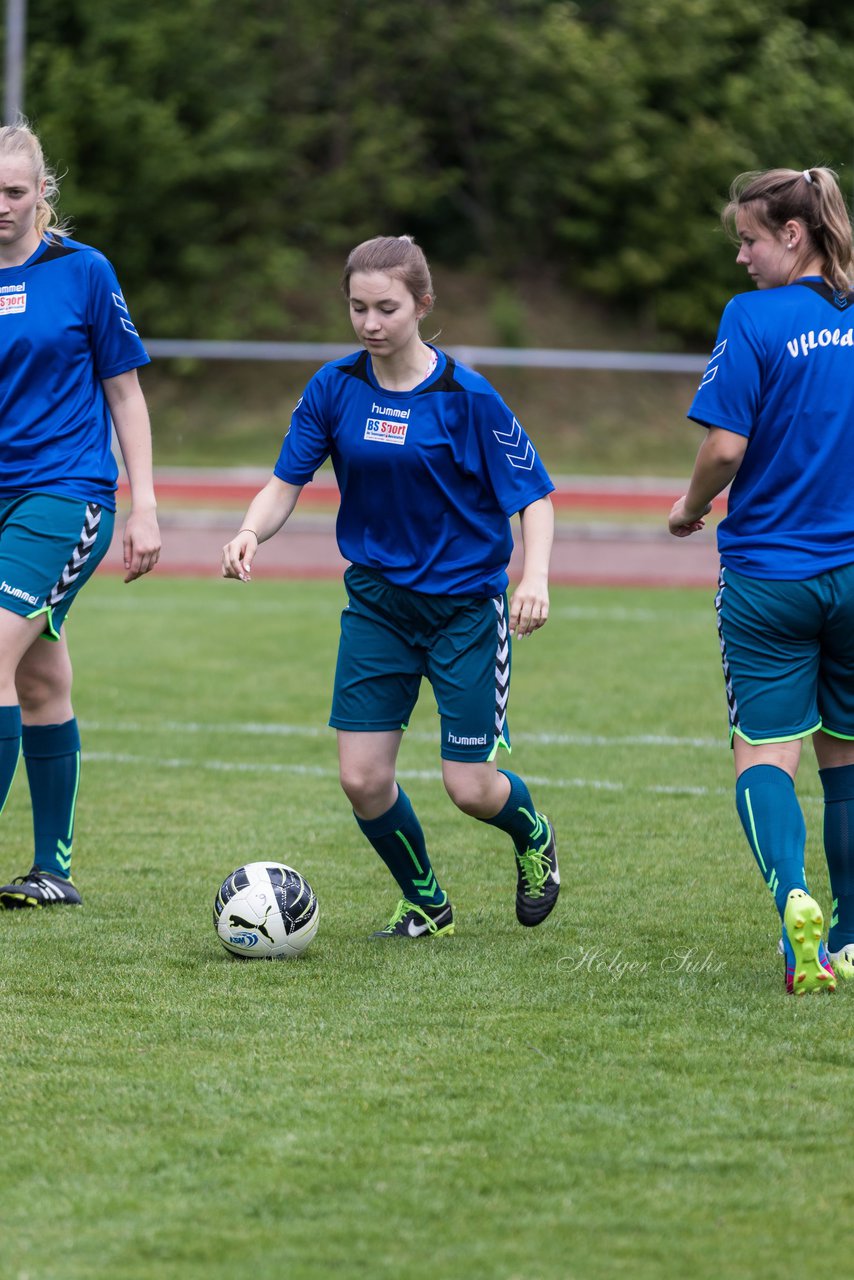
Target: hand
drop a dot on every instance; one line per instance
(237, 555)
(682, 522)
(529, 608)
(141, 544)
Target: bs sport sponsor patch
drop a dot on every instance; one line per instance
(386, 431)
(13, 299)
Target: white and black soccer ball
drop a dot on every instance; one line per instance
(265, 911)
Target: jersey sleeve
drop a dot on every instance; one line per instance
(116, 345)
(730, 391)
(307, 444)
(503, 452)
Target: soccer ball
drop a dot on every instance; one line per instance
(265, 911)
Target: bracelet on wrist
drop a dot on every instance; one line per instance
(252, 531)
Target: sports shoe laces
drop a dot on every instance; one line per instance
(402, 909)
(405, 908)
(535, 867)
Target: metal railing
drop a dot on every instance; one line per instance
(504, 357)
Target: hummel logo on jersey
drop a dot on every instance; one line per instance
(383, 411)
(126, 322)
(385, 431)
(13, 299)
(511, 442)
(712, 366)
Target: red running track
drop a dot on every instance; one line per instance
(591, 552)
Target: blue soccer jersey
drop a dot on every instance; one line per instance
(429, 478)
(64, 326)
(782, 374)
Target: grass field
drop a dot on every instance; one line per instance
(625, 1091)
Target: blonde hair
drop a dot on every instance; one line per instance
(809, 196)
(18, 139)
(397, 256)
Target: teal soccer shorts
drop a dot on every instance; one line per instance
(49, 547)
(788, 654)
(392, 637)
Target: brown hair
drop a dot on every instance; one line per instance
(18, 139)
(398, 256)
(809, 196)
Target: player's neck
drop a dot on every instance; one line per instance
(406, 369)
(812, 267)
(19, 251)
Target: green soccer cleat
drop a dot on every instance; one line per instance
(843, 961)
(537, 881)
(39, 889)
(802, 923)
(410, 921)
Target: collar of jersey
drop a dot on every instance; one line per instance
(441, 362)
(34, 257)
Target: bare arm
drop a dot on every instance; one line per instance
(267, 512)
(141, 541)
(529, 604)
(718, 460)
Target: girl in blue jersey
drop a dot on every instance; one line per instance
(68, 360)
(777, 402)
(431, 465)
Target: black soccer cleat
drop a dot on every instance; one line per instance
(538, 879)
(411, 921)
(39, 889)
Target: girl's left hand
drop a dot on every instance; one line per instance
(682, 522)
(529, 608)
(141, 544)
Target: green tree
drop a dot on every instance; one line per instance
(217, 152)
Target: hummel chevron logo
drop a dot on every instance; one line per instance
(511, 440)
(79, 555)
(63, 855)
(712, 366)
(502, 667)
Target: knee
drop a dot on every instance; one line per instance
(40, 687)
(370, 790)
(473, 791)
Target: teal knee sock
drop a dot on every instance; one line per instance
(519, 818)
(10, 749)
(774, 825)
(52, 757)
(838, 787)
(398, 839)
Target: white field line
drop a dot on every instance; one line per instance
(252, 729)
(420, 775)
(282, 601)
(280, 768)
